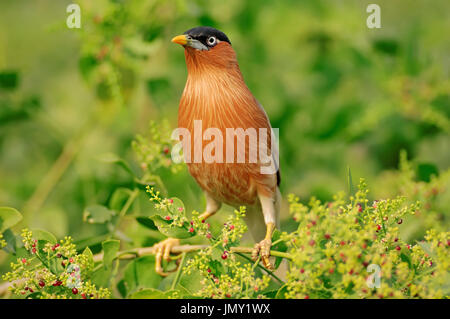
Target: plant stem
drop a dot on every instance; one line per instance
(178, 275)
(124, 209)
(139, 252)
(263, 268)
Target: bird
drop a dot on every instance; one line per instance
(217, 95)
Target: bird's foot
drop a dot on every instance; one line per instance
(262, 249)
(163, 250)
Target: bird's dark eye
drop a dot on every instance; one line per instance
(211, 41)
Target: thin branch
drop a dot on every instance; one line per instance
(139, 252)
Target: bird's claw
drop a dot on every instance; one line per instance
(263, 249)
(163, 250)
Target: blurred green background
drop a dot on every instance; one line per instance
(342, 95)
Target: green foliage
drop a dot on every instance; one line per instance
(49, 269)
(342, 95)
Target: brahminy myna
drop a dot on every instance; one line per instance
(216, 94)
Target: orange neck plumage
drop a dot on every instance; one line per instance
(216, 93)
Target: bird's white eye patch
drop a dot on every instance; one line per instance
(211, 41)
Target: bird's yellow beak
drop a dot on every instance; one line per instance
(180, 39)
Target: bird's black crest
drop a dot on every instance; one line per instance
(203, 33)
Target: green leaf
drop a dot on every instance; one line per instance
(91, 241)
(110, 249)
(87, 64)
(148, 293)
(406, 259)
(281, 292)
(425, 171)
(122, 288)
(8, 218)
(98, 214)
(9, 80)
(11, 241)
(44, 235)
(114, 159)
(177, 206)
(140, 273)
(174, 231)
(101, 277)
(146, 222)
(87, 252)
(281, 246)
(191, 282)
(350, 182)
(119, 198)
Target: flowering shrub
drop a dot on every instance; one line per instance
(351, 247)
(335, 243)
(51, 269)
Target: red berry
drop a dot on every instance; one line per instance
(314, 222)
(378, 227)
(398, 248)
(327, 236)
(342, 243)
(302, 270)
(231, 227)
(33, 250)
(74, 291)
(71, 260)
(209, 270)
(192, 222)
(360, 208)
(191, 230)
(396, 239)
(31, 290)
(228, 295)
(63, 264)
(225, 255)
(180, 209)
(306, 297)
(167, 218)
(42, 284)
(208, 235)
(83, 295)
(350, 272)
(312, 242)
(24, 260)
(331, 271)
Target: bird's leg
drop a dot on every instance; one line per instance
(164, 247)
(212, 206)
(263, 247)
